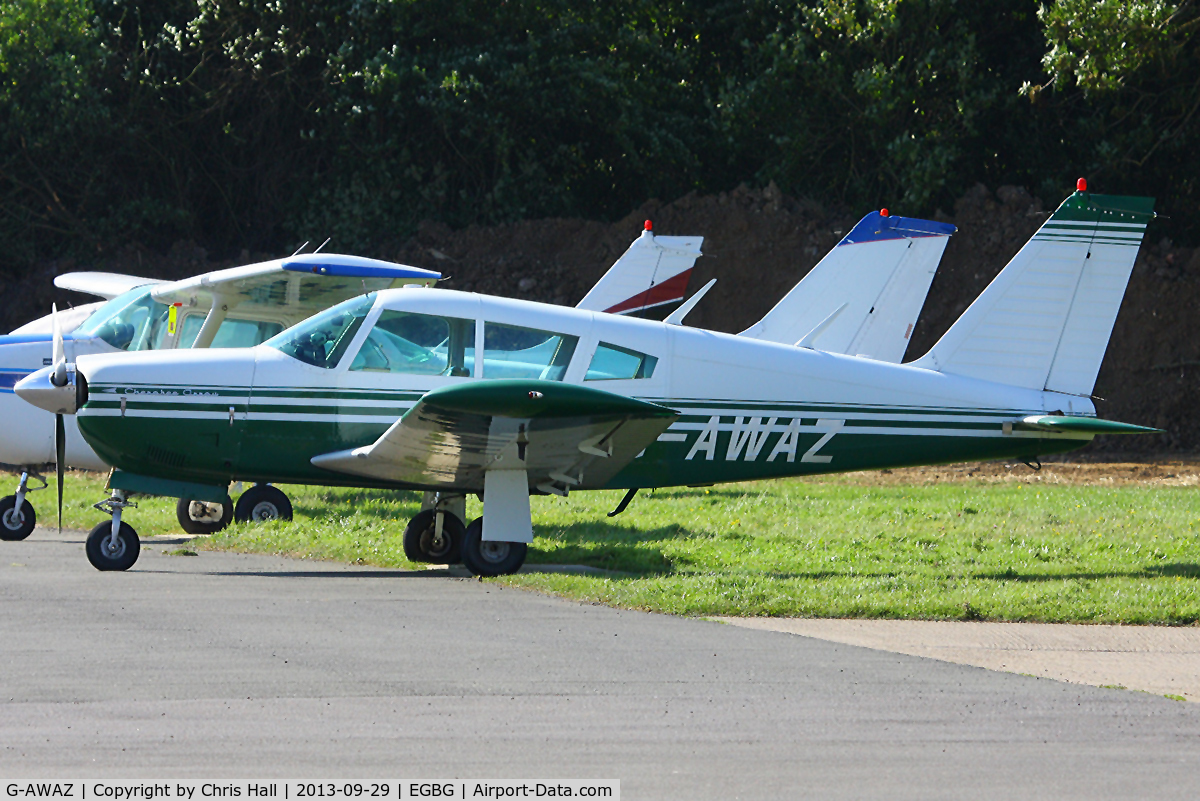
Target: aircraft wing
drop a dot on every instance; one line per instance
(563, 436)
(300, 285)
(104, 285)
(68, 320)
(654, 271)
(864, 297)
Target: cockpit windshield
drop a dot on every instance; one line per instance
(132, 321)
(323, 338)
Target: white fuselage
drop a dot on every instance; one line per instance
(742, 401)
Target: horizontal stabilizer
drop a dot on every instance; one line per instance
(654, 271)
(1079, 425)
(1043, 323)
(878, 275)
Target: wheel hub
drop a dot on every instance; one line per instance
(13, 519)
(433, 545)
(203, 512)
(494, 552)
(264, 510)
(113, 551)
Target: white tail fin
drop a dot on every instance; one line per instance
(654, 271)
(1045, 320)
(879, 275)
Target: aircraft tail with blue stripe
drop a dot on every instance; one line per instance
(864, 297)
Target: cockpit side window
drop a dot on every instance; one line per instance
(132, 321)
(612, 362)
(322, 339)
(510, 351)
(424, 344)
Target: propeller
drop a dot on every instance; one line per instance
(60, 457)
(59, 379)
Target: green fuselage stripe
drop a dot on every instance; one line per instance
(273, 437)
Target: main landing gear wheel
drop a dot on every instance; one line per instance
(203, 517)
(421, 543)
(490, 558)
(262, 502)
(16, 524)
(104, 554)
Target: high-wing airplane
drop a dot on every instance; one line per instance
(256, 302)
(236, 307)
(459, 393)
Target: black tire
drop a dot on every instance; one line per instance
(126, 553)
(201, 517)
(16, 525)
(490, 558)
(260, 503)
(419, 545)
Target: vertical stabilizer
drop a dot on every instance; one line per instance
(878, 275)
(654, 271)
(1045, 320)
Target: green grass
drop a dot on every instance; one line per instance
(828, 548)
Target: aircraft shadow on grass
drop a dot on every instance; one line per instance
(1181, 569)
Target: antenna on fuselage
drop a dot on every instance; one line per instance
(302, 247)
(323, 244)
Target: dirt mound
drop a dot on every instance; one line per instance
(758, 243)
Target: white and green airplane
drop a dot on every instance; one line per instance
(873, 286)
(456, 393)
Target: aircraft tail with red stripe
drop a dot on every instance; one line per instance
(653, 272)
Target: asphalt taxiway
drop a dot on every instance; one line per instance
(253, 667)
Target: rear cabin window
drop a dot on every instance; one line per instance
(231, 334)
(510, 351)
(612, 362)
(424, 344)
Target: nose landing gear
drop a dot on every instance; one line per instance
(17, 517)
(115, 545)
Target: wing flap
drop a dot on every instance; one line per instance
(561, 434)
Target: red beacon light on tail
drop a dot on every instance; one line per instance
(883, 212)
(1081, 185)
(649, 225)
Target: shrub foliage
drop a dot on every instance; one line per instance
(249, 125)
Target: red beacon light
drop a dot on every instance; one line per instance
(649, 225)
(1081, 185)
(883, 212)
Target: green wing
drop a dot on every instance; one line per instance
(564, 436)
